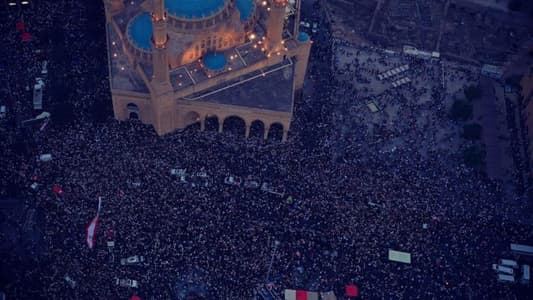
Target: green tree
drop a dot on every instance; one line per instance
(474, 156)
(472, 131)
(461, 110)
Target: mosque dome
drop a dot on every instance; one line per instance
(215, 61)
(194, 9)
(246, 9)
(140, 31)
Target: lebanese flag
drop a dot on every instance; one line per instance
(92, 227)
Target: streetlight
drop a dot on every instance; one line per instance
(276, 244)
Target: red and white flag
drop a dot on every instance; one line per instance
(91, 228)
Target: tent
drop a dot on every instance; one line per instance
(399, 256)
(300, 295)
(351, 290)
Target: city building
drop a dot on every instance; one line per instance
(527, 113)
(173, 63)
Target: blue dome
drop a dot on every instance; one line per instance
(194, 9)
(215, 61)
(303, 37)
(140, 31)
(246, 8)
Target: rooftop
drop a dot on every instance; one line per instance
(230, 60)
(269, 88)
(123, 76)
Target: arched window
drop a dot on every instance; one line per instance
(275, 132)
(133, 111)
(234, 125)
(257, 129)
(211, 123)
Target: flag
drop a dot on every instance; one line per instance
(93, 225)
(351, 290)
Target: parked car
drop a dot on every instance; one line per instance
(127, 283)
(132, 260)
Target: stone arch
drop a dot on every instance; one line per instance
(133, 111)
(212, 123)
(133, 115)
(192, 120)
(234, 125)
(257, 129)
(275, 131)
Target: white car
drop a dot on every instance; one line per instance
(132, 260)
(233, 180)
(127, 283)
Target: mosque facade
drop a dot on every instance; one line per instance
(206, 63)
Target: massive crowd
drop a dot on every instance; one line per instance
(347, 210)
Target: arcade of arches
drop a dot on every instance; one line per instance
(236, 125)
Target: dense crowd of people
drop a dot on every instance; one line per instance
(346, 209)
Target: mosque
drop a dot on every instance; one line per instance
(213, 64)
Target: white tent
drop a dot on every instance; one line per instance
(398, 256)
(45, 157)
